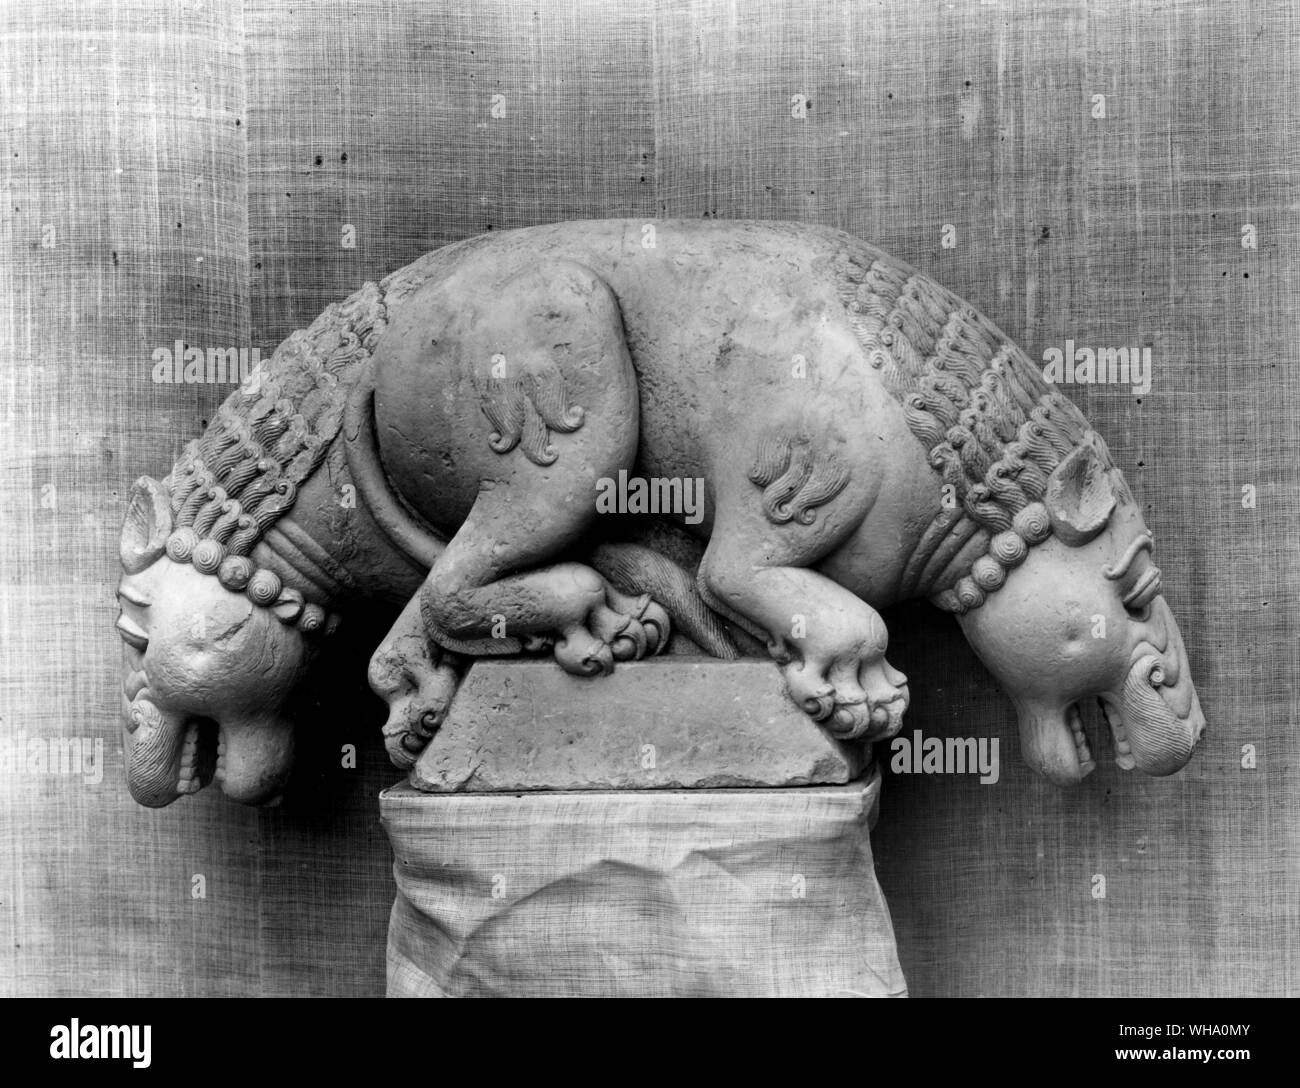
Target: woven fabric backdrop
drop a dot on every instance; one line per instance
(195, 171)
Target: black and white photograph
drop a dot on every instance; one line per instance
(651, 499)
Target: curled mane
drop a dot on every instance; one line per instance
(234, 482)
(231, 484)
(993, 428)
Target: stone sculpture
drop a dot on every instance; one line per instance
(456, 443)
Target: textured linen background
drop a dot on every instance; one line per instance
(185, 171)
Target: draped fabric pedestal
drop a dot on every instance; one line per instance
(636, 890)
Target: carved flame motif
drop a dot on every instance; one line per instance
(525, 410)
(796, 477)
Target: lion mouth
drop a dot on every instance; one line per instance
(1057, 745)
(1118, 734)
(168, 757)
(172, 753)
(1145, 734)
(1083, 753)
(201, 756)
(1123, 748)
(1085, 762)
(1119, 737)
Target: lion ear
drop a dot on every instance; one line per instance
(1079, 497)
(147, 526)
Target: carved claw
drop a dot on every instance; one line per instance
(852, 699)
(867, 719)
(417, 681)
(608, 625)
(646, 627)
(658, 627)
(848, 715)
(808, 687)
(621, 628)
(583, 654)
(631, 645)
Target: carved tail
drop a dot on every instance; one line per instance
(630, 568)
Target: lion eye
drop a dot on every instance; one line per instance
(1145, 590)
(132, 633)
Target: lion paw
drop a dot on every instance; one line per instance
(623, 628)
(418, 684)
(851, 698)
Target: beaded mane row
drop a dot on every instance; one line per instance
(235, 481)
(993, 427)
(230, 485)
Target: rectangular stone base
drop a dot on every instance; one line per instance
(638, 893)
(664, 723)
